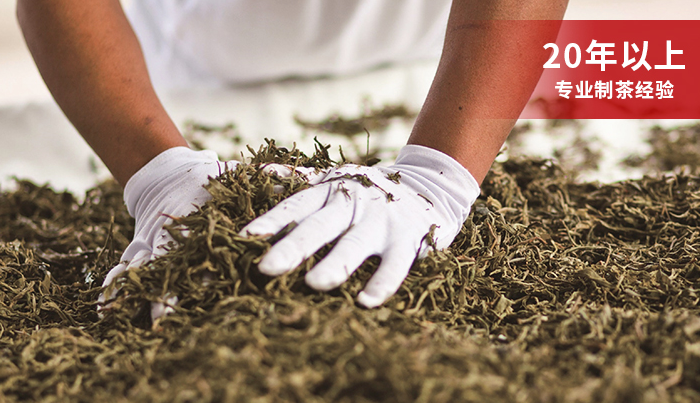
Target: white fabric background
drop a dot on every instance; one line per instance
(195, 42)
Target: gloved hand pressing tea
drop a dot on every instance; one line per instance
(170, 185)
(376, 211)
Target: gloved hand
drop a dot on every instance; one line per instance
(381, 217)
(170, 185)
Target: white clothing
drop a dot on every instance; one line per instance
(219, 42)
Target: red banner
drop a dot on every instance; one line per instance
(620, 70)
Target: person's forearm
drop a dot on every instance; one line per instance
(484, 79)
(92, 63)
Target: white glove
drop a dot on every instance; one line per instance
(377, 217)
(170, 185)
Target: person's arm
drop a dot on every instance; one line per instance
(486, 70)
(92, 63)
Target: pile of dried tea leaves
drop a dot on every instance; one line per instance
(578, 152)
(552, 292)
(674, 148)
(371, 119)
(357, 130)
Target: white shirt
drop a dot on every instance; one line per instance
(220, 42)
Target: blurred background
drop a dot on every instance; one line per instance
(37, 142)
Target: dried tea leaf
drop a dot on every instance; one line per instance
(552, 291)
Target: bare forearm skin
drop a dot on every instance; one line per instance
(483, 81)
(92, 63)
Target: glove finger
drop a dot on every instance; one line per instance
(140, 257)
(342, 261)
(391, 273)
(295, 208)
(308, 237)
(116, 271)
(161, 244)
(160, 309)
